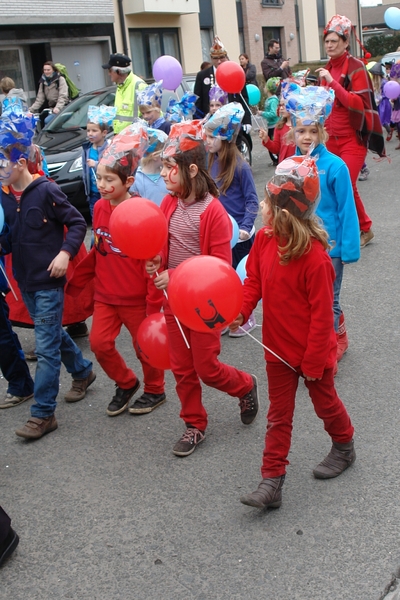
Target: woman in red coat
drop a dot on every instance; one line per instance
(354, 125)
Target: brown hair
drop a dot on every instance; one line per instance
(282, 122)
(229, 158)
(245, 55)
(52, 65)
(202, 183)
(7, 84)
(101, 126)
(294, 235)
(271, 43)
(126, 170)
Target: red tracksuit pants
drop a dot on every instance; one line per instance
(200, 362)
(106, 326)
(353, 153)
(282, 386)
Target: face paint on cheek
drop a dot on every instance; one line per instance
(173, 174)
(112, 190)
(5, 173)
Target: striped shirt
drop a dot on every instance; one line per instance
(184, 231)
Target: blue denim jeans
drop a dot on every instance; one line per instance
(53, 346)
(337, 311)
(12, 360)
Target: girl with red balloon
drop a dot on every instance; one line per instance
(123, 292)
(290, 270)
(233, 176)
(197, 225)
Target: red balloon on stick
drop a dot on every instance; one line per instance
(138, 228)
(152, 340)
(230, 77)
(205, 293)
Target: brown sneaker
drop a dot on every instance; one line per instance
(249, 404)
(79, 387)
(366, 238)
(10, 400)
(36, 428)
(340, 458)
(188, 442)
(267, 495)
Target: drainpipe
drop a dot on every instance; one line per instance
(360, 33)
(122, 25)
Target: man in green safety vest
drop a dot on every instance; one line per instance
(128, 84)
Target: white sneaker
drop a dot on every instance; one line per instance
(249, 326)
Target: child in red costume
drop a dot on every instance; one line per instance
(279, 145)
(290, 269)
(198, 224)
(124, 293)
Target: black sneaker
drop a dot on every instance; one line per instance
(249, 404)
(77, 330)
(188, 442)
(120, 401)
(8, 546)
(146, 403)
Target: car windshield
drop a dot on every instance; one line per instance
(74, 115)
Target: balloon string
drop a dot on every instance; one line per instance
(8, 281)
(246, 103)
(177, 322)
(268, 349)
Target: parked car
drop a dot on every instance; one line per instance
(391, 57)
(63, 137)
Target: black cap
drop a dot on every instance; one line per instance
(118, 60)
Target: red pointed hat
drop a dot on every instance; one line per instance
(340, 25)
(295, 186)
(183, 136)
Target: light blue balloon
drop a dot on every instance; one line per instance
(235, 232)
(1, 218)
(241, 268)
(253, 93)
(392, 17)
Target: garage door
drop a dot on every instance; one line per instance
(83, 62)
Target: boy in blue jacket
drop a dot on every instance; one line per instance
(309, 108)
(36, 211)
(98, 126)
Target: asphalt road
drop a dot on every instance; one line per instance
(104, 510)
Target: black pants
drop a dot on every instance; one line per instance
(12, 361)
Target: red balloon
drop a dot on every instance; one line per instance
(138, 228)
(230, 77)
(152, 340)
(205, 293)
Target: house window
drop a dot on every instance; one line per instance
(270, 33)
(207, 37)
(273, 3)
(149, 44)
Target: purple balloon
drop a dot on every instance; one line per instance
(392, 90)
(169, 70)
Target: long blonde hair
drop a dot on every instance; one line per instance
(294, 235)
(229, 158)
